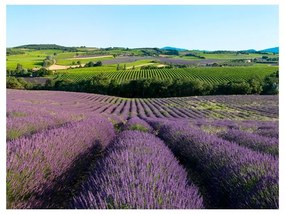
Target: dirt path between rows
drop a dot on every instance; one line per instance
(63, 67)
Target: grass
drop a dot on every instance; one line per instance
(14, 114)
(26, 60)
(13, 134)
(34, 58)
(138, 128)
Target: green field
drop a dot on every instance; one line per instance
(70, 61)
(207, 74)
(34, 58)
(28, 61)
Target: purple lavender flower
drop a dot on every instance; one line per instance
(231, 173)
(251, 140)
(34, 163)
(139, 172)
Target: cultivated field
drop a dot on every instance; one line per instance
(31, 58)
(206, 74)
(79, 150)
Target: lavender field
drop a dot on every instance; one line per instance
(87, 151)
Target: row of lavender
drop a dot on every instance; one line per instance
(24, 121)
(262, 136)
(217, 107)
(35, 154)
(233, 171)
(139, 172)
(133, 124)
(42, 164)
(239, 177)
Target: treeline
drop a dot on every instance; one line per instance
(147, 88)
(48, 61)
(233, 63)
(13, 51)
(195, 55)
(120, 51)
(47, 47)
(18, 83)
(23, 72)
(93, 64)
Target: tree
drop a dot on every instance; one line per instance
(271, 84)
(99, 63)
(92, 64)
(113, 87)
(100, 83)
(19, 67)
(256, 85)
(99, 79)
(17, 83)
(118, 67)
(65, 84)
(42, 72)
(125, 67)
(89, 64)
(12, 82)
(49, 57)
(239, 87)
(233, 87)
(49, 83)
(9, 72)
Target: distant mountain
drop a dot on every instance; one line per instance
(268, 50)
(173, 48)
(271, 50)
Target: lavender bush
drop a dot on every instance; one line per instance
(34, 163)
(251, 140)
(268, 130)
(139, 172)
(136, 123)
(242, 107)
(235, 176)
(27, 122)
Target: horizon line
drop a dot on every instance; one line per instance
(142, 47)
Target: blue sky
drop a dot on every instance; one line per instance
(192, 27)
